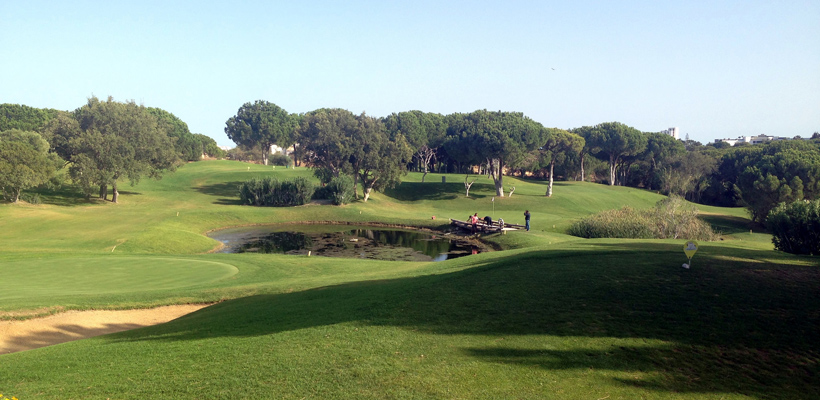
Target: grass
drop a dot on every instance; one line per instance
(552, 317)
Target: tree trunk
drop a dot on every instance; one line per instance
(498, 177)
(612, 169)
(582, 166)
(367, 193)
(104, 191)
(356, 185)
(549, 188)
(423, 176)
(265, 153)
(115, 194)
(15, 195)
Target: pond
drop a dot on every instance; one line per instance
(344, 241)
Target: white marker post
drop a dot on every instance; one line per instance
(690, 248)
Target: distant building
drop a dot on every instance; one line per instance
(672, 132)
(278, 149)
(753, 139)
(226, 148)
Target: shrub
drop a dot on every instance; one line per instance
(321, 193)
(272, 192)
(279, 159)
(33, 198)
(340, 190)
(623, 223)
(671, 218)
(796, 227)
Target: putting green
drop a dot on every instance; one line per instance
(105, 275)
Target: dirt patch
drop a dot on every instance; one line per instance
(75, 325)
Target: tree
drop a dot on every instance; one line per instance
(59, 131)
(185, 143)
(24, 118)
(687, 174)
(24, 162)
(209, 147)
(118, 140)
(495, 137)
(261, 124)
(661, 149)
(425, 133)
(380, 161)
(558, 143)
(615, 140)
(762, 176)
(326, 137)
(588, 133)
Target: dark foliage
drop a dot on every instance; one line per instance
(796, 227)
(273, 192)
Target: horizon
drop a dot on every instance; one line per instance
(714, 71)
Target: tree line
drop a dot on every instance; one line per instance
(100, 143)
(378, 151)
(105, 142)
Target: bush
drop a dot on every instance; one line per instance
(279, 159)
(671, 218)
(33, 198)
(623, 223)
(321, 193)
(272, 192)
(796, 227)
(340, 190)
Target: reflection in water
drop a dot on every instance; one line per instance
(381, 244)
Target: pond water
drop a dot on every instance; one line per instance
(344, 241)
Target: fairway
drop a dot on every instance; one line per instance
(548, 315)
(106, 275)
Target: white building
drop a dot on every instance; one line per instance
(672, 132)
(752, 139)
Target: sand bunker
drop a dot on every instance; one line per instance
(74, 325)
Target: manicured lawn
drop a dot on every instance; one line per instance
(552, 317)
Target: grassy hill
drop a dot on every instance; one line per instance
(551, 317)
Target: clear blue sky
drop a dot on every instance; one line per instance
(712, 68)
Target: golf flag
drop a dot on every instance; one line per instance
(690, 248)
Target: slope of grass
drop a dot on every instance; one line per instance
(553, 317)
(584, 320)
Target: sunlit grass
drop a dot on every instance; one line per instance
(552, 317)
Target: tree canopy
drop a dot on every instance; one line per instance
(25, 118)
(118, 140)
(261, 124)
(326, 138)
(24, 162)
(558, 143)
(496, 137)
(613, 141)
(379, 160)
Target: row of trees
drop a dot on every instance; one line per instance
(378, 151)
(101, 143)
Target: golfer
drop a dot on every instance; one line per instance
(527, 219)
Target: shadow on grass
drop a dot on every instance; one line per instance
(415, 191)
(228, 192)
(742, 322)
(727, 224)
(68, 196)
